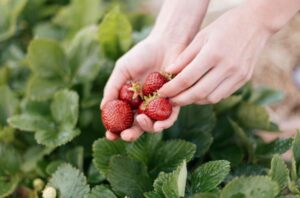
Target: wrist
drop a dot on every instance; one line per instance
(179, 21)
(272, 15)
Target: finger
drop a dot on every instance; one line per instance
(189, 75)
(225, 89)
(111, 136)
(161, 125)
(118, 77)
(202, 88)
(186, 56)
(145, 122)
(131, 134)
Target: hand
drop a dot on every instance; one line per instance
(150, 55)
(219, 60)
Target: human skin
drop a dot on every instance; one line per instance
(222, 56)
(210, 64)
(165, 42)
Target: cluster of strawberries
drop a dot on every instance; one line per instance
(118, 115)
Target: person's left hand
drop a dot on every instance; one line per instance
(219, 60)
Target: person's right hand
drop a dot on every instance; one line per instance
(152, 54)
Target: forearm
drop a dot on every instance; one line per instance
(273, 14)
(180, 20)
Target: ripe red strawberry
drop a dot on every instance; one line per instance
(117, 116)
(156, 108)
(154, 82)
(130, 93)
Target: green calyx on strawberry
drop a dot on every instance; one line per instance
(155, 107)
(117, 116)
(131, 93)
(155, 81)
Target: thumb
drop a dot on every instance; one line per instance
(118, 77)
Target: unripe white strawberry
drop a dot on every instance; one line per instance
(49, 192)
(38, 184)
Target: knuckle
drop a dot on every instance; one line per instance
(243, 73)
(185, 82)
(233, 69)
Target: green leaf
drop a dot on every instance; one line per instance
(43, 89)
(55, 138)
(253, 116)
(115, 34)
(9, 166)
(101, 191)
(103, 150)
(228, 103)
(266, 96)
(278, 146)
(231, 153)
(193, 118)
(10, 11)
(32, 156)
(8, 185)
(245, 140)
(69, 182)
(247, 170)
(8, 103)
(35, 108)
(94, 176)
(53, 166)
(206, 195)
(78, 14)
(209, 175)
(75, 157)
(48, 30)
(30, 123)
(195, 124)
(64, 108)
(84, 55)
(55, 65)
(4, 75)
(144, 149)
(279, 171)
(251, 187)
(295, 172)
(170, 155)
(7, 134)
(10, 160)
(128, 176)
(170, 185)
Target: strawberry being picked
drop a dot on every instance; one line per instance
(117, 116)
(154, 82)
(156, 108)
(131, 93)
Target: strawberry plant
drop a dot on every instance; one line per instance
(55, 58)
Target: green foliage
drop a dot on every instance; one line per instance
(101, 190)
(55, 59)
(250, 187)
(128, 176)
(170, 184)
(9, 14)
(279, 172)
(209, 175)
(115, 34)
(69, 182)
